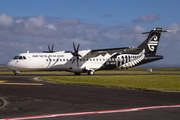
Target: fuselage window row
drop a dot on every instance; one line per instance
(125, 59)
(93, 59)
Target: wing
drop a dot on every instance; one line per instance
(110, 51)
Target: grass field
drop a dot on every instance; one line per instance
(145, 82)
(121, 78)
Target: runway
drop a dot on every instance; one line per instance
(22, 96)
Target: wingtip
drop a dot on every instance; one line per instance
(169, 30)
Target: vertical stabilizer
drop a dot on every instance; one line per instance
(151, 43)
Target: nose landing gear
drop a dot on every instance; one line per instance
(16, 73)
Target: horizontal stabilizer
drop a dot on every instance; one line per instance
(158, 31)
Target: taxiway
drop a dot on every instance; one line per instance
(22, 96)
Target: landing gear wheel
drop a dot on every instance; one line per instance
(77, 73)
(90, 72)
(15, 74)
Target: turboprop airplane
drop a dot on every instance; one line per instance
(89, 61)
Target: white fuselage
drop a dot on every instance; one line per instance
(65, 61)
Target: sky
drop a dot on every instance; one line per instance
(94, 24)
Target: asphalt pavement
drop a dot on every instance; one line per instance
(22, 96)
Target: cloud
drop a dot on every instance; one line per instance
(147, 18)
(36, 21)
(20, 34)
(107, 16)
(5, 20)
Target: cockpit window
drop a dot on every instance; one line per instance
(16, 57)
(20, 57)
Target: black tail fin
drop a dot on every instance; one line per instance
(151, 43)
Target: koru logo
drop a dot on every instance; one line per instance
(153, 42)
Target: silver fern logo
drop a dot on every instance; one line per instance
(152, 43)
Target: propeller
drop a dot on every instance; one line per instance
(76, 54)
(51, 50)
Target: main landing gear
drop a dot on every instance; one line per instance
(89, 72)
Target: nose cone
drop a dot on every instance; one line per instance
(8, 65)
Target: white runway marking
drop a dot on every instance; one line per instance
(87, 113)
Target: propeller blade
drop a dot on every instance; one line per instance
(74, 48)
(78, 48)
(49, 48)
(52, 48)
(73, 61)
(77, 62)
(79, 55)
